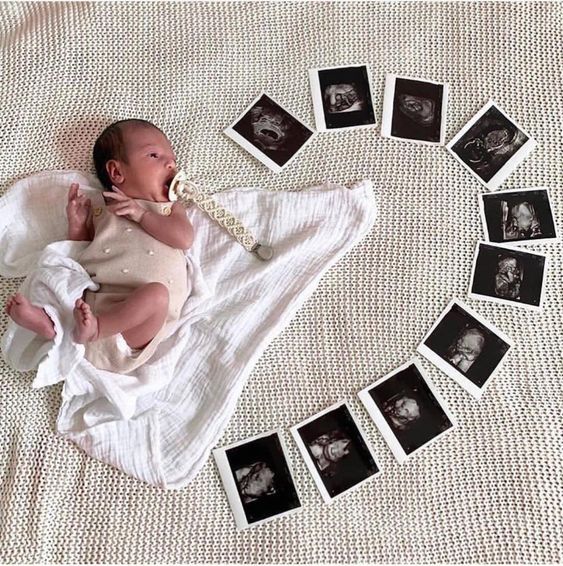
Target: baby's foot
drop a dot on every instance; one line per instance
(86, 324)
(23, 313)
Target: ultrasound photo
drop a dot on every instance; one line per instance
(466, 347)
(505, 274)
(270, 133)
(491, 145)
(342, 98)
(414, 110)
(257, 479)
(335, 451)
(407, 409)
(521, 216)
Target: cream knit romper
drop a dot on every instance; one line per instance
(121, 258)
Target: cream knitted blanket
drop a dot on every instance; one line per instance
(490, 492)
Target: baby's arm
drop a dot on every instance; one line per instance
(175, 230)
(79, 214)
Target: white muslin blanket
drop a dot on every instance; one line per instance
(160, 422)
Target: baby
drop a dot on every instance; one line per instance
(136, 254)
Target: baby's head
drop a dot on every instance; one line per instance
(136, 157)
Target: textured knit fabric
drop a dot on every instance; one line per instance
(491, 491)
(121, 258)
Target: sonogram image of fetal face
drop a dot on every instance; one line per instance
(508, 278)
(269, 130)
(255, 481)
(520, 221)
(343, 97)
(466, 348)
(419, 109)
(402, 410)
(328, 449)
(270, 127)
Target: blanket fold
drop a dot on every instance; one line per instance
(160, 422)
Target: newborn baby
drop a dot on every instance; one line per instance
(136, 254)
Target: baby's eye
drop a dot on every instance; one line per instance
(154, 154)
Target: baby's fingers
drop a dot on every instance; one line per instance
(115, 196)
(73, 191)
(83, 200)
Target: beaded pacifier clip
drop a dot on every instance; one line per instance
(188, 192)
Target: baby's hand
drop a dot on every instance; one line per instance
(77, 208)
(125, 206)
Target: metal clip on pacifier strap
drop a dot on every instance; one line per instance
(187, 191)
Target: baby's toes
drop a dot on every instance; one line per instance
(18, 298)
(85, 308)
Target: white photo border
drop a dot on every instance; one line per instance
(532, 241)
(519, 156)
(389, 97)
(225, 471)
(327, 498)
(318, 108)
(452, 371)
(252, 149)
(517, 304)
(381, 423)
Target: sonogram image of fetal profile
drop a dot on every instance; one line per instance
(489, 143)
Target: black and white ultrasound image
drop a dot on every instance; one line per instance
(509, 275)
(346, 97)
(410, 408)
(338, 450)
(489, 143)
(417, 110)
(274, 131)
(519, 216)
(467, 345)
(263, 479)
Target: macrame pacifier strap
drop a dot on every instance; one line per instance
(188, 192)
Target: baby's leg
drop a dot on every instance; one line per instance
(138, 318)
(23, 313)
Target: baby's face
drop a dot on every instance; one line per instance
(152, 164)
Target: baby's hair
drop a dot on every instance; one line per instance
(110, 145)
